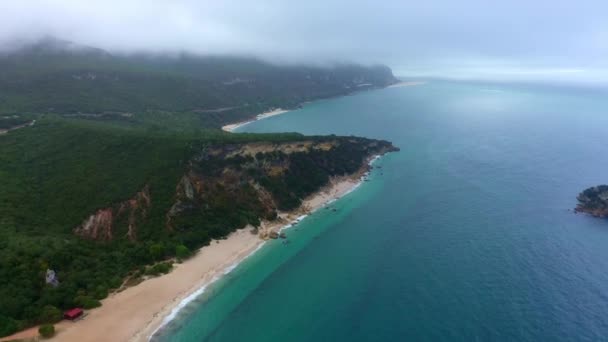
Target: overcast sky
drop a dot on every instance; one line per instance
(502, 38)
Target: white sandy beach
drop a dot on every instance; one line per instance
(232, 127)
(137, 312)
(279, 111)
(29, 124)
(407, 84)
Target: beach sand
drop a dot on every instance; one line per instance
(279, 111)
(29, 124)
(232, 127)
(406, 84)
(137, 312)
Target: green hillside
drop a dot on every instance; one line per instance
(114, 165)
(55, 77)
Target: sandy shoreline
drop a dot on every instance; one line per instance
(279, 111)
(232, 127)
(136, 313)
(335, 190)
(406, 84)
(29, 124)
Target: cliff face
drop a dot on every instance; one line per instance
(101, 225)
(226, 187)
(594, 201)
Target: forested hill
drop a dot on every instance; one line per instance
(101, 204)
(55, 76)
(113, 166)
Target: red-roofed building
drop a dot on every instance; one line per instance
(72, 314)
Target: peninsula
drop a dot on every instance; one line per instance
(126, 175)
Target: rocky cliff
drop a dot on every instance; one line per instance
(101, 224)
(226, 187)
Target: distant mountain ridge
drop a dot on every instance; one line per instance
(57, 76)
(53, 45)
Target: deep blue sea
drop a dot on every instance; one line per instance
(467, 234)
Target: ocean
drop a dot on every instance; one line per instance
(466, 234)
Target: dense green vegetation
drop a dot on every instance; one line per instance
(46, 330)
(55, 77)
(109, 127)
(59, 171)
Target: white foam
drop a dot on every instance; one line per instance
(235, 264)
(194, 295)
(353, 188)
(182, 304)
(373, 160)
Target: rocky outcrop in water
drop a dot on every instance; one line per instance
(593, 201)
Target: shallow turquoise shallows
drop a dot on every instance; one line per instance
(467, 234)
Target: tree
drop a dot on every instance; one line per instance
(87, 302)
(7, 326)
(157, 251)
(47, 330)
(101, 292)
(182, 252)
(50, 314)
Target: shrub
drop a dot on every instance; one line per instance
(50, 314)
(115, 282)
(163, 267)
(101, 292)
(7, 326)
(157, 251)
(182, 252)
(47, 330)
(87, 302)
(91, 303)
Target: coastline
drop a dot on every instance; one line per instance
(138, 312)
(27, 124)
(406, 84)
(265, 115)
(278, 111)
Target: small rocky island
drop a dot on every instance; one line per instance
(593, 201)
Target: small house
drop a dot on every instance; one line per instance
(72, 314)
(51, 278)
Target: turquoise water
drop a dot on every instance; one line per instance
(466, 234)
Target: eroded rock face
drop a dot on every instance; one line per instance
(253, 180)
(100, 225)
(97, 226)
(136, 209)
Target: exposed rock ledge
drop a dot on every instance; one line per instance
(239, 184)
(99, 226)
(593, 201)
